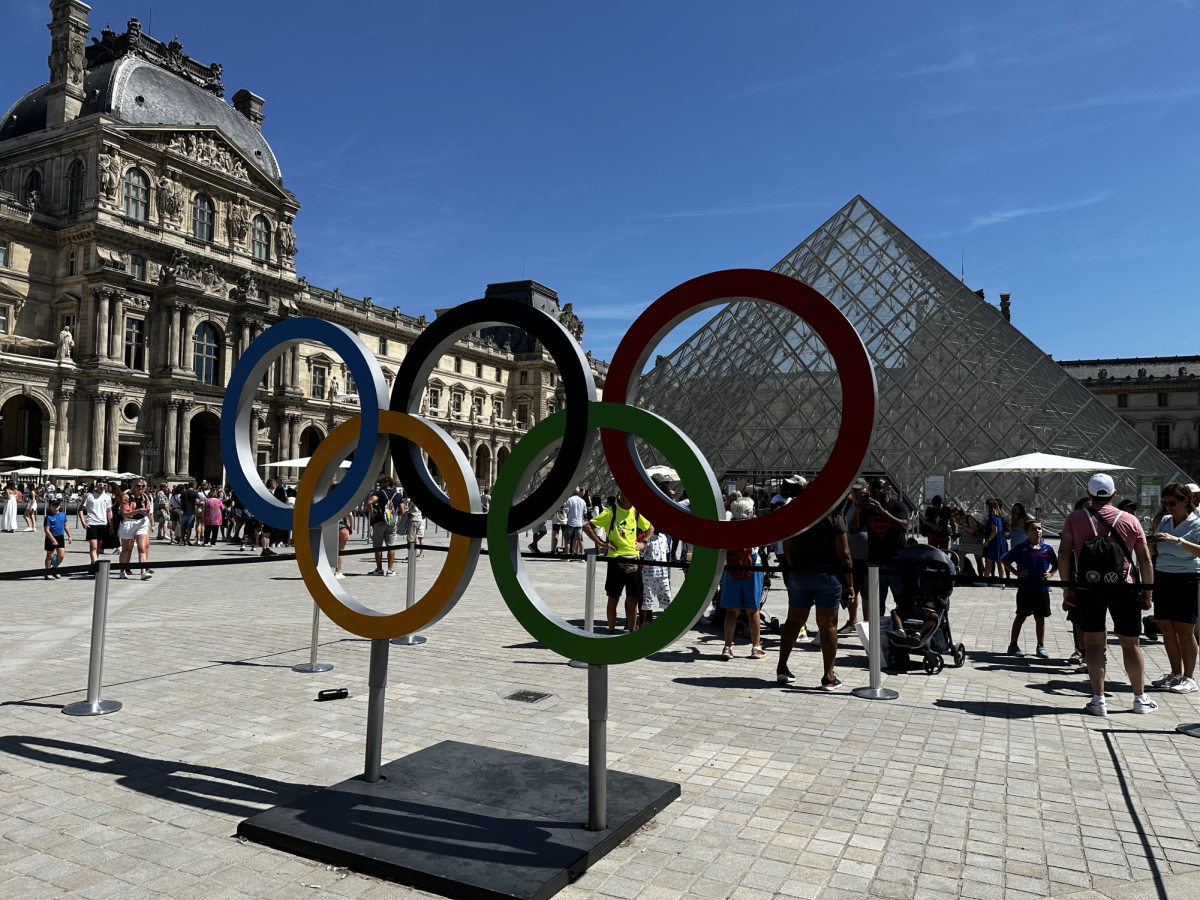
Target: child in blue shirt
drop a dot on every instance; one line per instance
(1033, 560)
(55, 527)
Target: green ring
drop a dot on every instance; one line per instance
(542, 623)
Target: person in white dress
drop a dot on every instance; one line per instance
(656, 580)
(8, 521)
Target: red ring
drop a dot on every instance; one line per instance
(859, 396)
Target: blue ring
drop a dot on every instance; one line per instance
(239, 398)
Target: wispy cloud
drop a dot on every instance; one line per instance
(997, 217)
(750, 210)
(964, 60)
(1125, 98)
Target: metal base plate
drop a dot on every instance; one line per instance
(309, 668)
(83, 708)
(409, 640)
(1192, 730)
(465, 821)
(868, 693)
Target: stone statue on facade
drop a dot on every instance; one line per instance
(180, 267)
(110, 173)
(34, 200)
(571, 322)
(170, 197)
(239, 218)
(212, 282)
(65, 344)
(246, 288)
(287, 238)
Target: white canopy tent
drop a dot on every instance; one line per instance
(299, 463)
(20, 459)
(1039, 464)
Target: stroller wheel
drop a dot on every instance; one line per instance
(960, 656)
(934, 663)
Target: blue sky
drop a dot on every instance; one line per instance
(613, 150)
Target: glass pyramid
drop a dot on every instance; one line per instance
(958, 385)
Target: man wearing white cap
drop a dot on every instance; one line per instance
(1194, 490)
(1087, 553)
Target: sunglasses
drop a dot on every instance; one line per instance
(1170, 504)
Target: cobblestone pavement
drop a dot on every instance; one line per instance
(981, 782)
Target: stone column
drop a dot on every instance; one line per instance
(282, 441)
(117, 338)
(256, 420)
(169, 430)
(294, 353)
(245, 341)
(61, 447)
(185, 438)
(101, 325)
(173, 342)
(294, 432)
(97, 431)
(112, 438)
(185, 338)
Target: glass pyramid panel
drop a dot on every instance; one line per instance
(958, 385)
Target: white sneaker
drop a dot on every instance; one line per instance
(1147, 704)
(338, 575)
(391, 573)
(1167, 682)
(1184, 685)
(1096, 709)
(123, 576)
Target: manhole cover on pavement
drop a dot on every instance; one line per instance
(527, 696)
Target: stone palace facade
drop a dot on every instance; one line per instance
(146, 238)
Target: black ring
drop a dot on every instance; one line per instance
(578, 384)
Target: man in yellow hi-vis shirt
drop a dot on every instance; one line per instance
(625, 535)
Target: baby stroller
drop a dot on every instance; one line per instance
(926, 587)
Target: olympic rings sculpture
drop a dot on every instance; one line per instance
(568, 435)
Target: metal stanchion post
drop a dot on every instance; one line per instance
(376, 696)
(93, 705)
(597, 748)
(312, 665)
(876, 691)
(410, 640)
(1191, 729)
(589, 599)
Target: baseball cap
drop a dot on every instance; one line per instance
(1193, 488)
(859, 484)
(797, 480)
(1101, 485)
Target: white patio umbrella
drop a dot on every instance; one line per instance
(19, 459)
(27, 472)
(298, 463)
(1039, 464)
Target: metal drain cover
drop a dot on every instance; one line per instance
(527, 696)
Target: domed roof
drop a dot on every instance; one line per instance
(138, 92)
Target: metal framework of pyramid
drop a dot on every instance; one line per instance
(958, 384)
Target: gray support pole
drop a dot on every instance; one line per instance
(312, 665)
(589, 599)
(410, 597)
(876, 691)
(93, 705)
(376, 696)
(597, 748)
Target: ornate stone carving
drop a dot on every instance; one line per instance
(239, 218)
(65, 344)
(286, 237)
(66, 59)
(207, 151)
(212, 282)
(34, 200)
(246, 288)
(170, 196)
(571, 322)
(110, 172)
(134, 42)
(180, 268)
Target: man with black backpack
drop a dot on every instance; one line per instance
(1098, 547)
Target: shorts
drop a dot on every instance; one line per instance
(53, 543)
(572, 532)
(186, 522)
(1092, 606)
(416, 528)
(808, 588)
(1032, 602)
(741, 593)
(383, 535)
(921, 609)
(559, 527)
(131, 528)
(940, 541)
(344, 534)
(97, 532)
(617, 580)
(1175, 597)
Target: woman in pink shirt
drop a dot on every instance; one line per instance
(213, 510)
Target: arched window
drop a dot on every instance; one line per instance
(33, 184)
(260, 239)
(75, 187)
(202, 218)
(137, 195)
(205, 355)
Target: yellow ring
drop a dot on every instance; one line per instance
(463, 554)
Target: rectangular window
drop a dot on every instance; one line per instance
(263, 296)
(137, 267)
(478, 370)
(456, 404)
(478, 404)
(524, 378)
(435, 398)
(458, 364)
(135, 344)
(499, 374)
(71, 263)
(551, 379)
(318, 382)
(523, 413)
(1122, 400)
(498, 409)
(383, 347)
(5, 316)
(3, 253)
(351, 387)
(1164, 399)
(1163, 435)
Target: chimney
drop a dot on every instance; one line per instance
(1005, 306)
(68, 36)
(250, 105)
